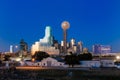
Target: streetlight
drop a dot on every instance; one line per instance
(33, 59)
(65, 25)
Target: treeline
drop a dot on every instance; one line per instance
(74, 59)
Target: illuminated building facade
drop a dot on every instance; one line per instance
(105, 49)
(75, 47)
(11, 48)
(45, 44)
(101, 49)
(79, 47)
(72, 42)
(97, 49)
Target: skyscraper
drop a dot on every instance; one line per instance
(72, 43)
(97, 49)
(46, 44)
(79, 47)
(48, 38)
(23, 45)
(11, 48)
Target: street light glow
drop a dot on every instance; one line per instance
(117, 57)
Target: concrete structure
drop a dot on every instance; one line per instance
(105, 49)
(101, 49)
(11, 48)
(47, 62)
(50, 62)
(65, 25)
(75, 48)
(62, 43)
(23, 45)
(45, 44)
(48, 38)
(93, 64)
(79, 47)
(54, 62)
(72, 43)
(96, 49)
(90, 63)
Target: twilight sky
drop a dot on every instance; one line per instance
(91, 21)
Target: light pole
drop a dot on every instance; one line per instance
(65, 25)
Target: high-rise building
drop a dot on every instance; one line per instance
(101, 49)
(105, 49)
(46, 44)
(74, 49)
(11, 48)
(35, 47)
(72, 43)
(62, 43)
(48, 38)
(23, 45)
(85, 50)
(55, 43)
(79, 47)
(23, 48)
(97, 49)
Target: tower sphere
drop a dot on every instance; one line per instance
(65, 25)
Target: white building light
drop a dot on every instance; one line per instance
(117, 57)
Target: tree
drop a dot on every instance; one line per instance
(85, 56)
(39, 55)
(7, 57)
(71, 59)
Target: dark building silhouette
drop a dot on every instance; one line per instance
(23, 45)
(55, 43)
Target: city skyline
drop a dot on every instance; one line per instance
(92, 22)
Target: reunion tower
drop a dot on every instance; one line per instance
(65, 25)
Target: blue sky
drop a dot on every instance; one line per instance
(91, 21)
